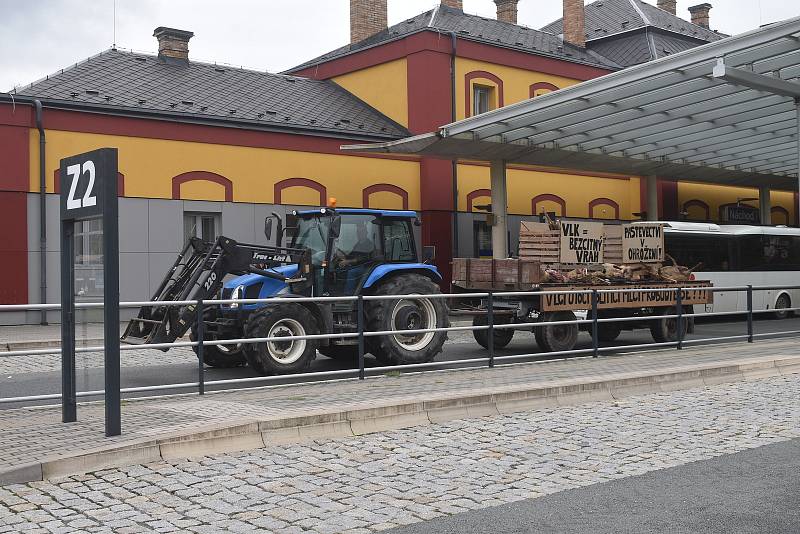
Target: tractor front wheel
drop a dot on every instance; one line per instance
(219, 356)
(412, 313)
(281, 357)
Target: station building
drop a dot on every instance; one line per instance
(207, 149)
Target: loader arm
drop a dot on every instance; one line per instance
(198, 274)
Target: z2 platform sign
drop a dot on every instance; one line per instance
(89, 191)
(581, 242)
(642, 243)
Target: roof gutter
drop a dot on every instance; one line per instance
(37, 104)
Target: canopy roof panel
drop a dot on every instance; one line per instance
(724, 112)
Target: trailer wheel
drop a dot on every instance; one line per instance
(219, 356)
(666, 330)
(502, 337)
(411, 313)
(342, 353)
(556, 338)
(281, 357)
(608, 331)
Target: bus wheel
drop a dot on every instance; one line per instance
(666, 330)
(781, 304)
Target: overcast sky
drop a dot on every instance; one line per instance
(39, 37)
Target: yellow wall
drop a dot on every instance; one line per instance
(150, 164)
(384, 87)
(577, 191)
(516, 82)
(718, 195)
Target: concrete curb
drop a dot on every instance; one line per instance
(358, 419)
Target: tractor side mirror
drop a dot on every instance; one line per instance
(279, 232)
(268, 228)
(336, 226)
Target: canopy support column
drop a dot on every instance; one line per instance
(765, 205)
(499, 210)
(651, 186)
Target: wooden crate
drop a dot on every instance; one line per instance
(495, 274)
(538, 242)
(613, 243)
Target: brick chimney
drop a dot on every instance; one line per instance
(574, 23)
(700, 14)
(456, 4)
(367, 17)
(173, 45)
(668, 5)
(507, 10)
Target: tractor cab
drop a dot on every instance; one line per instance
(347, 245)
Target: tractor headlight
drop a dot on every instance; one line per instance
(238, 293)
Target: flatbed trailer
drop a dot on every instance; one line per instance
(631, 302)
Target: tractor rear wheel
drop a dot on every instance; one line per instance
(413, 313)
(219, 356)
(281, 357)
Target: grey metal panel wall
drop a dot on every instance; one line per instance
(238, 222)
(164, 225)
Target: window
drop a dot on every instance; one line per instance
(714, 252)
(769, 252)
(481, 96)
(89, 259)
(482, 239)
(359, 239)
(206, 226)
(398, 241)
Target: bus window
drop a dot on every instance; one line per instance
(769, 252)
(713, 251)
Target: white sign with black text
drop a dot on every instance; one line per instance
(642, 243)
(581, 242)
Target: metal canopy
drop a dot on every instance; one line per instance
(726, 112)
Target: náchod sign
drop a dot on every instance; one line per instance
(642, 243)
(581, 242)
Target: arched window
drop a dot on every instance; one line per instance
(57, 183)
(478, 193)
(697, 210)
(540, 88)
(202, 191)
(547, 202)
(391, 190)
(603, 208)
(304, 197)
(779, 215)
(483, 91)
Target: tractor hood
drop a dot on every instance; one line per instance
(258, 286)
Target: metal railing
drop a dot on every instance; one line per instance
(592, 322)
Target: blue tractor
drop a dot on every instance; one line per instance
(333, 252)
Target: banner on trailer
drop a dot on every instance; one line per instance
(642, 243)
(643, 296)
(581, 242)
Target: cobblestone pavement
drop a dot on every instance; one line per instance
(378, 481)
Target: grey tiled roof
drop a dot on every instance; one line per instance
(126, 82)
(642, 45)
(475, 28)
(608, 17)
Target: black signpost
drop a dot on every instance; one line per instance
(89, 191)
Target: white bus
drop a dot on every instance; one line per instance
(739, 255)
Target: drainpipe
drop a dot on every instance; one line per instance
(42, 212)
(453, 49)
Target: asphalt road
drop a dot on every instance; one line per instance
(755, 491)
(460, 347)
